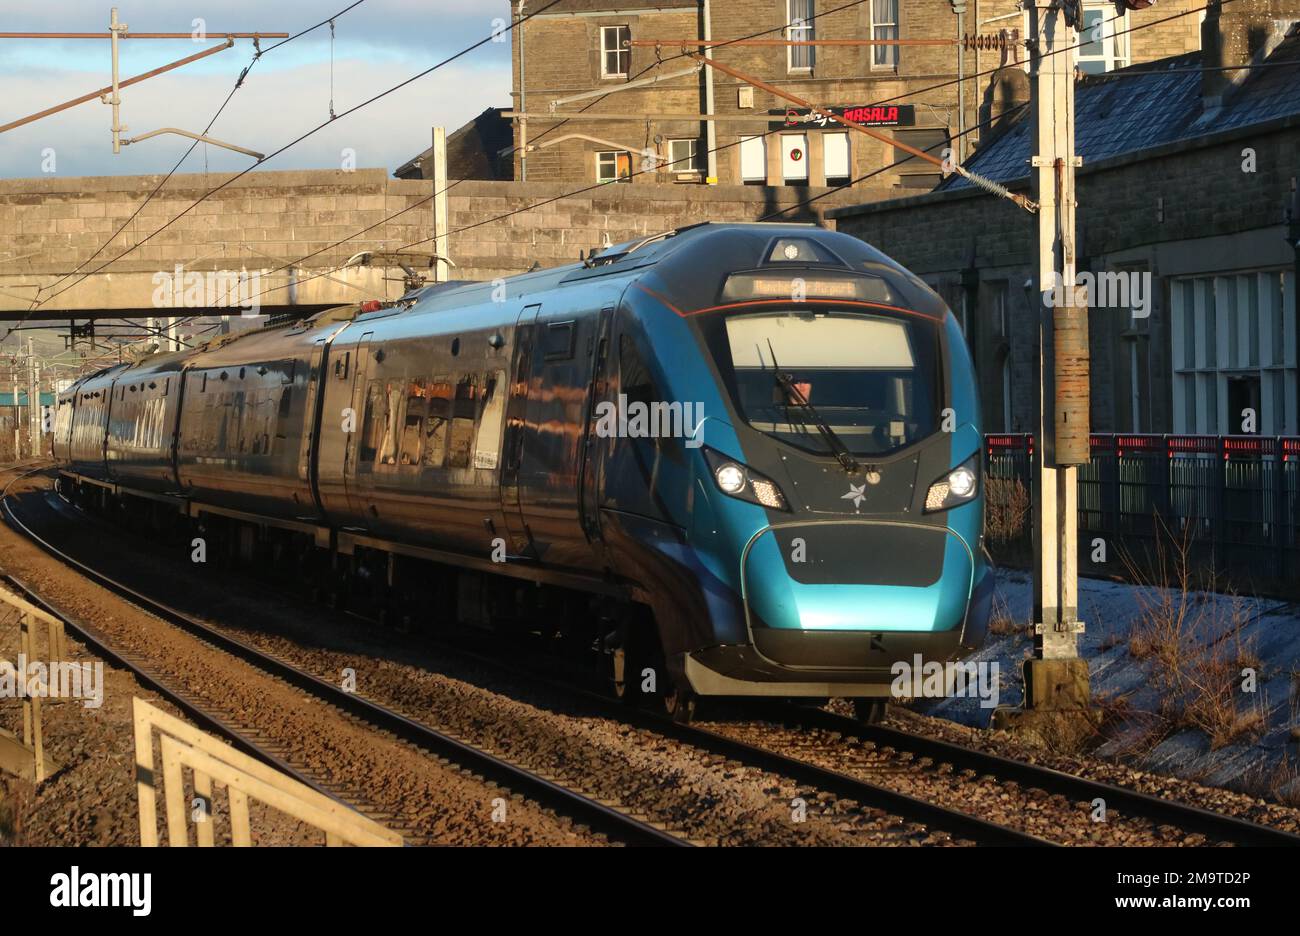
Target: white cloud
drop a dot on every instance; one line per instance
(283, 97)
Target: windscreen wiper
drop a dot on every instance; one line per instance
(795, 395)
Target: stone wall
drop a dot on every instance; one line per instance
(308, 219)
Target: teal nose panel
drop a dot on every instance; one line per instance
(857, 575)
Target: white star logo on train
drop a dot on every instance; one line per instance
(857, 492)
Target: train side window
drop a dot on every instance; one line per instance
(392, 418)
(487, 452)
(635, 379)
(437, 422)
(413, 423)
(372, 431)
(462, 423)
(557, 343)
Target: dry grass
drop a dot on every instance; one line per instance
(1194, 646)
(1006, 510)
(1000, 621)
(8, 819)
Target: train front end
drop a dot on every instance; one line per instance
(836, 521)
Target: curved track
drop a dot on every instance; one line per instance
(1127, 802)
(619, 826)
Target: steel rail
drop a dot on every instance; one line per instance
(1127, 802)
(600, 817)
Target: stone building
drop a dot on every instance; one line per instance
(1187, 226)
(632, 108)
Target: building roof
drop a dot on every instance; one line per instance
(1149, 105)
(473, 151)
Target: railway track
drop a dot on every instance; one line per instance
(1135, 803)
(602, 817)
(760, 755)
(932, 816)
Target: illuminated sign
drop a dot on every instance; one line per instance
(870, 115)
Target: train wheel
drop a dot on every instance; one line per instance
(870, 711)
(617, 661)
(679, 704)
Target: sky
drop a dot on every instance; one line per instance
(378, 44)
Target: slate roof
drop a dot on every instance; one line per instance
(1149, 105)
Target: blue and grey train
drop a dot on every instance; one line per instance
(735, 459)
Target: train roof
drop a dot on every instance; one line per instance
(690, 264)
(687, 267)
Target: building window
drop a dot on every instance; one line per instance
(799, 28)
(914, 173)
(835, 158)
(999, 327)
(684, 155)
(614, 166)
(753, 159)
(1103, 40)
(1233, 342)
(884, 25)
(615, 56)
(794, 159)
(1007, 425)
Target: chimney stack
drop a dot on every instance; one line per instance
(1238, 33)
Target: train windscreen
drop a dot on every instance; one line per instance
(873, 379)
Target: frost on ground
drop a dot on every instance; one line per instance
(1201, 685)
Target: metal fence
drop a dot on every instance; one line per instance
(1232, 499)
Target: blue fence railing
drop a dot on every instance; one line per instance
(1234, 500)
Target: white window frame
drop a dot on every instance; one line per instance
(847, 175)
(1114, 48)
(692, 167)
(762, 152)
(600, 160)
(1233, 324)
(884, 57)
(624, 56)
(803, 29)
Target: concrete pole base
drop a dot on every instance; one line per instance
(1057, 710)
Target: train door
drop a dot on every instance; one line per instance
(516, 414)
(592, 449)
(308, 451)
(363, 413)
(554, 430)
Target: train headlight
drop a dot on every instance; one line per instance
(730, 478)
(744, 483)
(957, 487)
